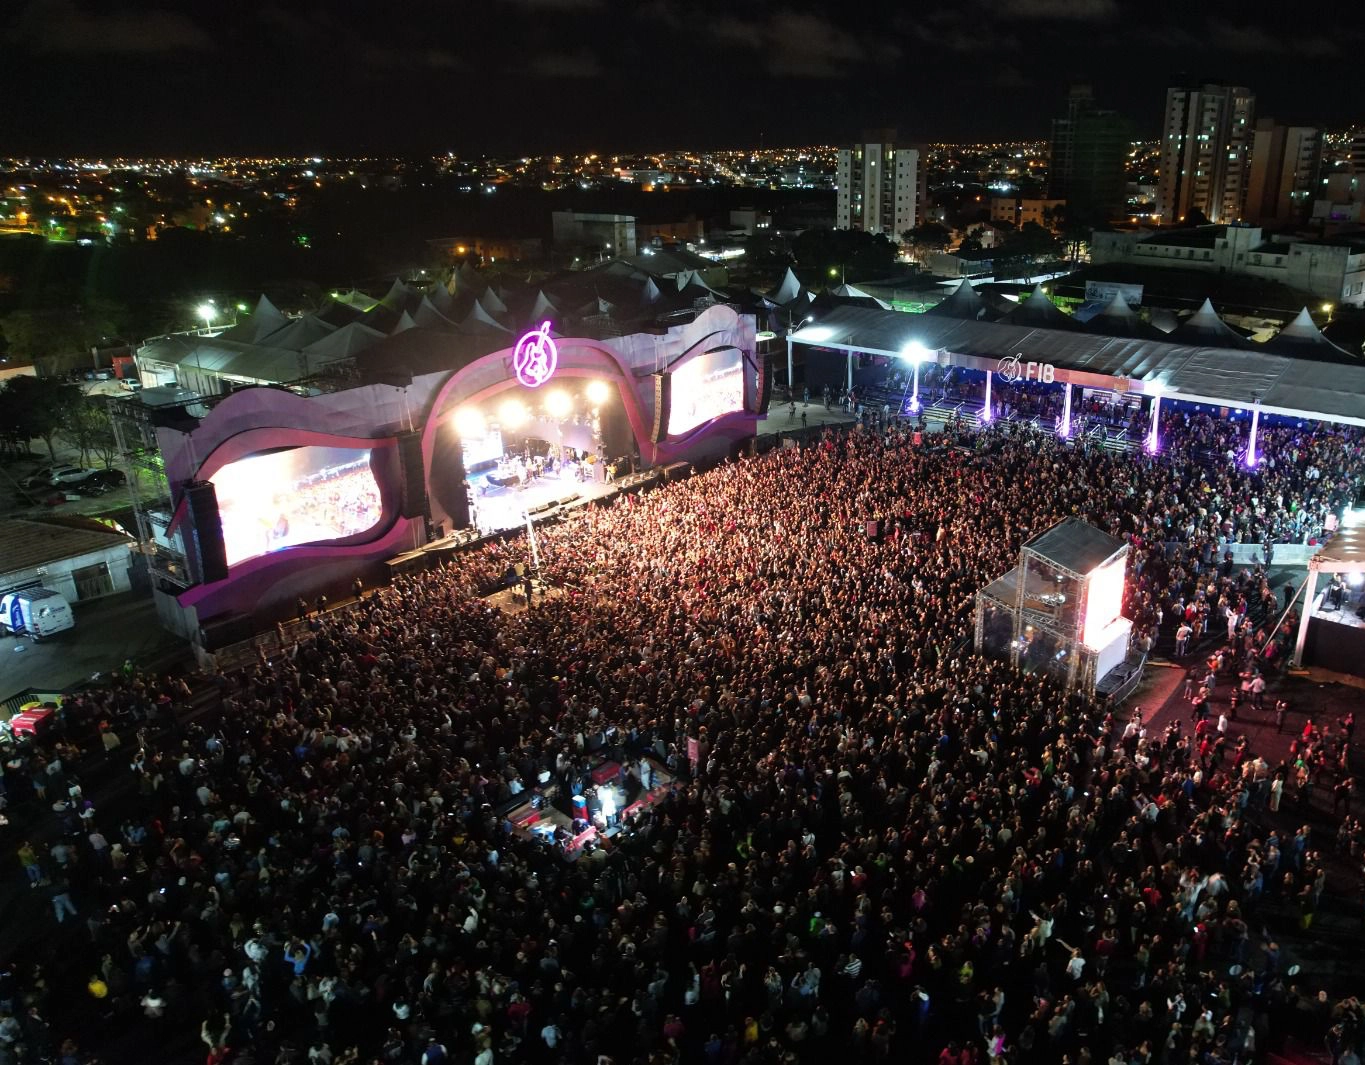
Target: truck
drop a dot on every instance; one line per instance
(36, 613)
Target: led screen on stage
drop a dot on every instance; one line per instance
(478, 451)
(302, 495)
(1103, 601)
(706, 387)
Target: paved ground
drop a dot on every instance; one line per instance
(107, 632)
(1335, 944)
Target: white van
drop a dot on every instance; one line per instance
(36, 613)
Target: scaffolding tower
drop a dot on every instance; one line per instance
(161, 548)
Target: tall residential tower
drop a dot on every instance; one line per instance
(878, 186)
(1089, 151)
(1205, 152)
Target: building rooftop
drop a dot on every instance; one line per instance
(1197, 237)
(26, 543)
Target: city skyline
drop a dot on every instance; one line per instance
(548, 75)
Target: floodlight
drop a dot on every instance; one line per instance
(469, 424)
(558, 404)
(512, 414)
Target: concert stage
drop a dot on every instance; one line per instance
(1332, 634)
(495, 507)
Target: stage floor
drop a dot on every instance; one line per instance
(1344, 616)
(493, 508)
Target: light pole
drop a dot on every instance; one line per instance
(207, 311)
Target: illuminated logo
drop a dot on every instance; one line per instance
(1012, 369)
(535, 357)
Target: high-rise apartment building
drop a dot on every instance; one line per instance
(1089, 152)
(878, 186)
(1284, 175)
(1356, 153)
(1205, 152)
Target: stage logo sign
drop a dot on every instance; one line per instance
(1012, 369)
(535, 357)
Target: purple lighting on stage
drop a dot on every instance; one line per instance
(535, 357)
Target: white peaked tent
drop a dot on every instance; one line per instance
(963, 302)
(428, 316)
(439, 296)
(399, 294)
(1039, 311)
(254, 329)
(543, 307)
(1118, 319)
(1205, 328)
(480, 321)
(787, 290)
(491, 302)
(301, 332)
(1304, 339)
(345, 342)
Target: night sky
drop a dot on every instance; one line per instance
(419, 76)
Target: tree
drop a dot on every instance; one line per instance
(1030, 241)
(89, 429)
(851, 254)
(42, 407)
(971, 242)
(1074, 227)
(927, 237)
(33, 333)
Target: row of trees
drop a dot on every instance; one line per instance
(39, 408)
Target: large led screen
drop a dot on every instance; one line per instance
(301, 495)
(706, 387)
(1103, 601)
(478, 451)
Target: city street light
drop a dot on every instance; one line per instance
(206, 312)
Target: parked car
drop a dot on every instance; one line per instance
(69, 475)
(101, 481)
(39, 478)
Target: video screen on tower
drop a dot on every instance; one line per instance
(1103, 601)
(706, 387)
(300, 495)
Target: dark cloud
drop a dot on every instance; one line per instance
(318, 75)
(1054, 10)
(60, 26)
(557, 5)
(581, 64)
(1258, 41)
(802, 45)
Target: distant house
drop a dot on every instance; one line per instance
(978, 263)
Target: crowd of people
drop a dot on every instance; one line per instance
(876, 844)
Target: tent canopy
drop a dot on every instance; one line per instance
(1294, 386)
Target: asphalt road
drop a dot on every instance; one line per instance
(107, 632)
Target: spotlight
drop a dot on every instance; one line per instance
(512, 414)
(469, 424)
(598, 392)
(558, 404)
